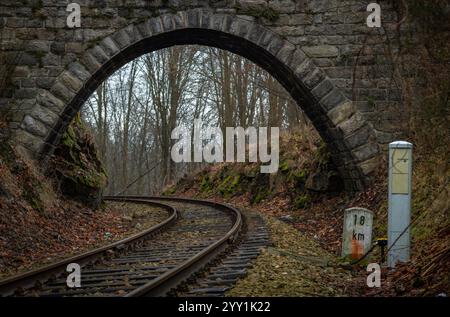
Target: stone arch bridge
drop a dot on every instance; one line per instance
(310, 46)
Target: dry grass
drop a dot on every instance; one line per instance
(296, 265)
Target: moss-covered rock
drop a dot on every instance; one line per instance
(229, 186)
(260, 195)
(260, 188)
(77, 166)
(302, 201)
(298, 178)
(259, 12)
(206, 184)
(284, 166)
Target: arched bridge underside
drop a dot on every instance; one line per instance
(44, 116)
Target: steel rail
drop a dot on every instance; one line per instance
(162, 284)
(159, 286)
(9, 285)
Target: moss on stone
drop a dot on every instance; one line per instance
(36, 7)
(323, 154)
(260, 195)
(78, 167)
(229, 185)
(68, 139)
(205, 185)
(39, 56)
(267, 13)
(302, 201)
(298, 177)
(284, 166)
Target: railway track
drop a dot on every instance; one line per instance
(149, 263)
(222, 274)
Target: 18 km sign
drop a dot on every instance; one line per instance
(357, 236)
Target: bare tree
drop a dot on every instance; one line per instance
(133, 113)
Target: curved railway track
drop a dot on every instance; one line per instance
(149, 263)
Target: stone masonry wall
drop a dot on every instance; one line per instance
(332, 34)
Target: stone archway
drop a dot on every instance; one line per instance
(351, 139)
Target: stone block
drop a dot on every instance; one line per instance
(314, 78)
(342, 112)
(359, 137)
(322, 89)
(156, 26)
(25, 93)
(193, 18)
(21, 71)
(58, 48)
(49, 101)
(251, 4)
(366, 151)
(109, 46)
(99, 54)
(79, 71)
(216, 22)
(286, 53)
(33, 126)
(45, 82)
(74, 47)
(168, 22)
(384, 137)
(275, 45)
(304, 69)
(331, 100)
(298, 57)
(145, 29)
(352, 124)
(44, 115)
(282, 6)
(369, 166)
(122, 38)
(38, 46)
(180, 20)
(28, 144)
(321, 51)
(62, 92)
(90, 63)
(71, 81)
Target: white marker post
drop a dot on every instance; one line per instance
(357, 235)
(399, 214)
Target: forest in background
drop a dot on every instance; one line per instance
(133, 113)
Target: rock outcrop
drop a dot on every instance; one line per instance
(77, 166)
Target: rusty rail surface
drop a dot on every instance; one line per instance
(156, 287)
(27, 279)
(165, 282)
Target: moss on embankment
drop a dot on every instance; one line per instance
(305, 171)
(77, 166)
